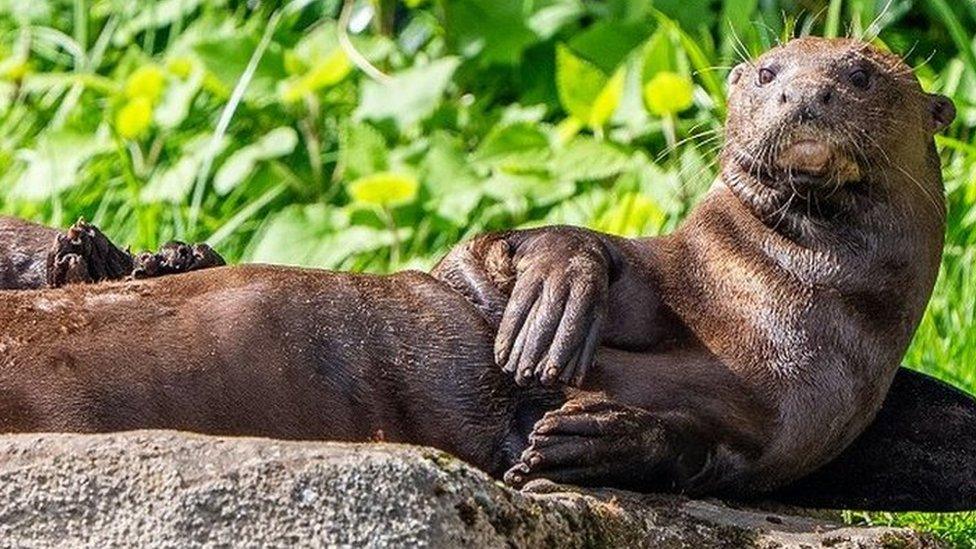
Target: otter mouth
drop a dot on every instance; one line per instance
(809, 163)
(806, 156)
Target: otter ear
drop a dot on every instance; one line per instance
(736, 74)
(943, 111)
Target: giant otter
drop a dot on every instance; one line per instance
(740, 353)
(804, 272)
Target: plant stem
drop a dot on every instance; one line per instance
(395, 247)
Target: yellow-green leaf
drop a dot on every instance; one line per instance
(585, 91)
(607, 101)
(578, 83)
(147, 82)
(134, 118)
(634, 214)
(386, 189)
(327, 72)
(668, 93)
(181, 67)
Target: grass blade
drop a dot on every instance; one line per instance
(960, 35)
(832, 26)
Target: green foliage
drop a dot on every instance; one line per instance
(279, 134)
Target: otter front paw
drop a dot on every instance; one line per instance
(175, 257)
(83, 254)
(592, 442)
(552, 324)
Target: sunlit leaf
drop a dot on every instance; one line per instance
(607, 100)
(146, 82)
(632, 214)
(668, 93)
(175, 104)
(386, 189)
(585, 91)
(134, 118)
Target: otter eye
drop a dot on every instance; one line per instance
(766, 75)
(860, 78)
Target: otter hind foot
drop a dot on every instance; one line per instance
(83, 255)
(594, 442)
(175, 257)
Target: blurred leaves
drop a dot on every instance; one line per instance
(409, 96)
(238, 166)
(359, 149)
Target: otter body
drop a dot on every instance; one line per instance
(262, 351)
(784, 302)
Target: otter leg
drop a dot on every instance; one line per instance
(174, 258)
(84, 254)
(595, 441)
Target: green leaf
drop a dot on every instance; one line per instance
(241, 164)
(518, 191)
(607, 43)
(832, 26)
(659, 54)
(362, 151)
(159, 14)
(630, 215)
(495, 31)
(296, 234)
(177, 100)
(319, 62)
(385, 189)
(410, 96)
(227, 58)
(585, 158)
(514, 147)
(55, 163)
(173, 183)
(550, 19)
(585, 91)
(454, 188)
(607, 101)
(692, 15)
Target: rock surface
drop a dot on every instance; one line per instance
(152, 489)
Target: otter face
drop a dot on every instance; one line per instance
(818, 113)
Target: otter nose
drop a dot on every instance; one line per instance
(809, 105)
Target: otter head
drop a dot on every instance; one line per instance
(820, 116)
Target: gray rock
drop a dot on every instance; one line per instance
(166, 489)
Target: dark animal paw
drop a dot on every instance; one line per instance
(174, 258)
(591, 442)
(83, 255)
(551, 327)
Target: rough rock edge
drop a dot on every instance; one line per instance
(168, 489)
